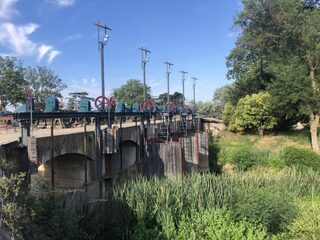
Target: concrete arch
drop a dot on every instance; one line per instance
(69, 170)
(131, 134)
(65, 144)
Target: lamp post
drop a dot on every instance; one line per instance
(194, 91)
(144, 60)
(101, 44)
(184, 73)
(168, 65)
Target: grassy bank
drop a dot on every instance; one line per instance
(243, 152)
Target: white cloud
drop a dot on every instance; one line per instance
(43, 49)
(63, 3)
(72, 37)
(7, 9)
(52, 55)
(16, 38)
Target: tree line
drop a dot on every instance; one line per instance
(275, 68)
(15, 79)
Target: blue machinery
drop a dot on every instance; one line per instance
(145, 111)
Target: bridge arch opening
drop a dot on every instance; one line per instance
(129, 153)
(69, 170)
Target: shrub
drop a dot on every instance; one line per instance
(270, 209)
(228, 112)
(218, 224)
(307, 225)
(253, 114)
(244, 157)
(292, 156)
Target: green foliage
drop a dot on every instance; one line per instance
(278, 51)
(244, 158)
(220, 97)
(206, 108)
(45, 83)
(12, 82)
(75, 98)
(218, 224)
(166, 208)
(60, 222)
(176, 98)
(270, 209)
(7, 167)
(307, 224)
(131, 92)
(292, 156)
(16, 211)
(228, 112)
(253, 113)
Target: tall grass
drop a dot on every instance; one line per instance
(164, 203)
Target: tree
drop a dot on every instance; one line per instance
(220, 97)
(274, 31)
(74, 99)
(253, 114)
(176, 98)
(13, 86)
(45, 83)
(131, 92)
(206, 108)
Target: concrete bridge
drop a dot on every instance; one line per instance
(94, 160)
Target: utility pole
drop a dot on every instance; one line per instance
(101, 45)
(168, 65)
(144, 60)
(194, 91)
(184, 73)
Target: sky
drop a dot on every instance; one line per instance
(196, 36)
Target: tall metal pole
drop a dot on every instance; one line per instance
(144, 60)
(194, 91)
(168, 65)
(184, 73)
(103, 93)
(101, 45)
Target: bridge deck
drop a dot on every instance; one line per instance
(11, 136)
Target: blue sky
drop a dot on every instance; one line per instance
(196, 36)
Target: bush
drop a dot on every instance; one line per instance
(218, 224)
(253, 114)
(307, 225)
(292, 156)
(228, 112)
(244, 157)
(270, 209)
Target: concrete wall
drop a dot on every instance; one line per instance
(167, 159)
(65, 144)
(69, 171)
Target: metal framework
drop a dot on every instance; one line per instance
(184, 73)
(144, 61)
(101, 45)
